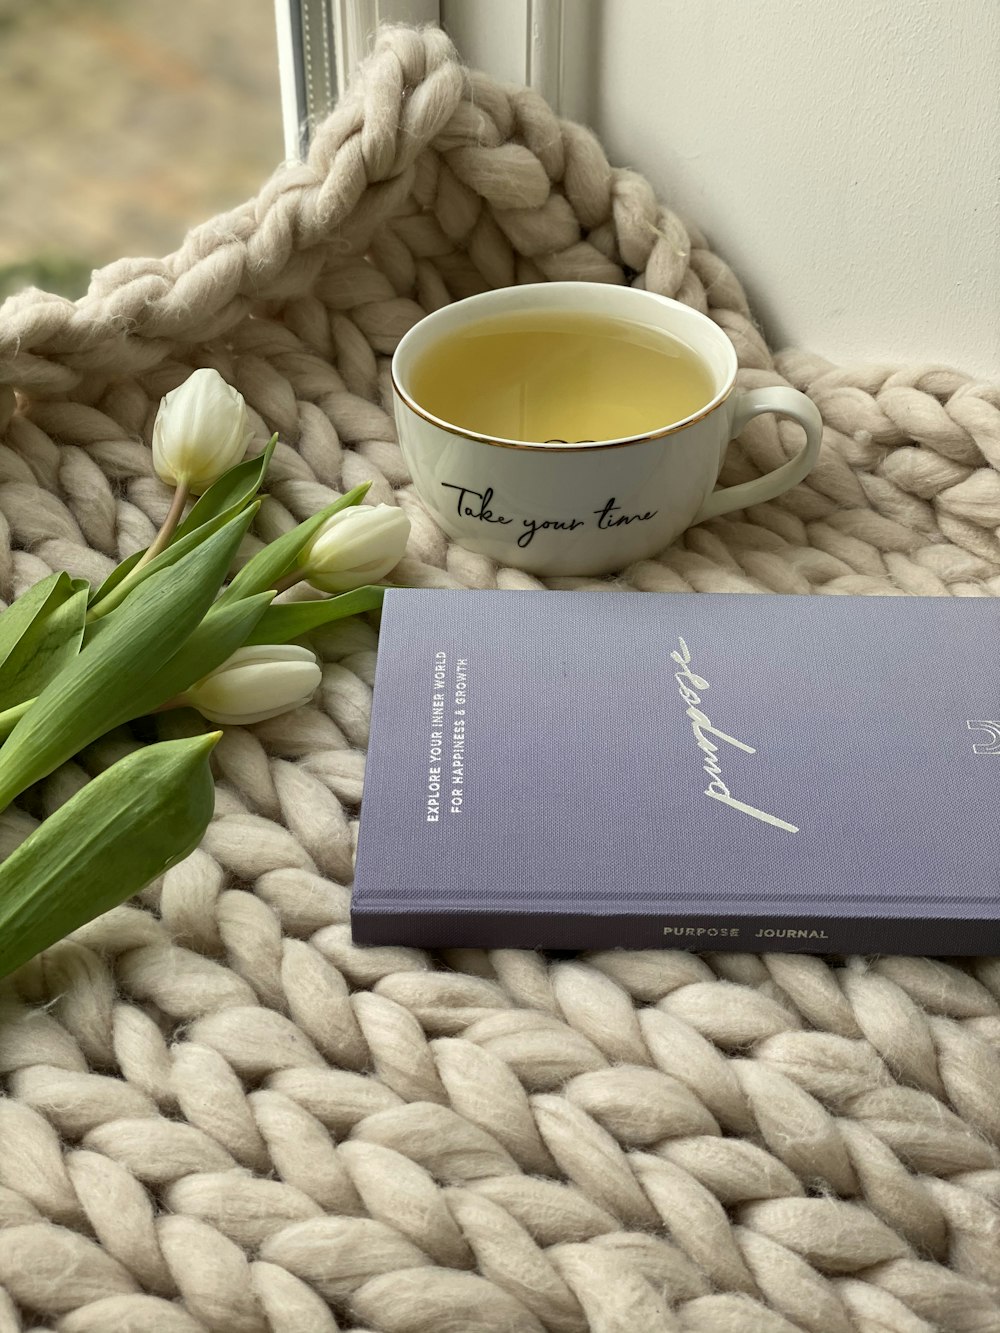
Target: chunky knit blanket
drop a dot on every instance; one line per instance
(217, 1112)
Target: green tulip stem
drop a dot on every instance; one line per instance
(290, 580)
(162, 539)
(160, 543)
(168, 705)
(10, 717)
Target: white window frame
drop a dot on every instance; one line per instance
(544, 44)
(320, 43)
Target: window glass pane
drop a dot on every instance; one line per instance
(124, 124)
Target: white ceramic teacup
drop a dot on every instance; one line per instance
(596, 507)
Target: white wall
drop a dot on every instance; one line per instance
(842, 155)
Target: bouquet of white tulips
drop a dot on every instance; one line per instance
(165, 631)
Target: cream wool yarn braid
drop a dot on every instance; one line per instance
(217, 1113)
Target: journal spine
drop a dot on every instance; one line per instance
(764, 934)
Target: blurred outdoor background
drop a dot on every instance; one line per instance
(124, 124)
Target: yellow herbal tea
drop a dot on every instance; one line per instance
(562, 377)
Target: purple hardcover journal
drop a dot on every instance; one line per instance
(758, 772)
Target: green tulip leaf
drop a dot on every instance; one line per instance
(224, 629)
(42, 597)
(115, 577)
(119, 589)
(131, 823)
(19, 615)
(290, 620)
(10, 717)
(105, 684)
(223, 500)
(279, 557)
(47, 644)
(231, 494)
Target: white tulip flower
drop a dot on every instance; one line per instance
(201, 430)
(357, 546)
(256, 683)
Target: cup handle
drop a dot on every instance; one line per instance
(786, 403)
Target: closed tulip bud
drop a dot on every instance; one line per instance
(256, 683)
(201, 430)
(357, 546)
